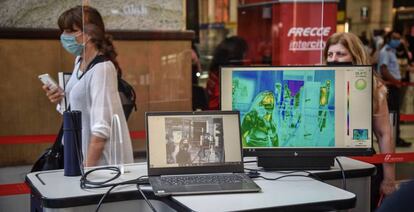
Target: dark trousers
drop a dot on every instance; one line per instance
(375, 186)
(401, 200)
(394, 103)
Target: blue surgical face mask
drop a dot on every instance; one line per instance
(71, 45)
(394, 43)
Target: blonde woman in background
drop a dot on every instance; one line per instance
(348, 48)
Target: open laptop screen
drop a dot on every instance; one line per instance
(193, 139)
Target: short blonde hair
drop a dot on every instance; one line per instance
(359, 57)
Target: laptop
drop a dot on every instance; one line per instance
(195, 153)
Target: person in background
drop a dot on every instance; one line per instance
(389, 69)
(199, 100)
(364, 38)
(231, 51)
(345, 48)
(93, 90)
(183, 156)
(376, 44)
(401, 200)
(378, 38)
(404, 58)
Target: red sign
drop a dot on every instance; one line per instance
(293, 33)
(300, 32)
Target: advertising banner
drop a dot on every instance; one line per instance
(300, 31)
(286, 32)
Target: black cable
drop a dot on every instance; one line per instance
(313, 175)
(250, 161)
(252, 170)
(343, 173)
(146, 200)
(254, 173)
(103, 197)
(85, 183)
(138, 181)
(284, 176)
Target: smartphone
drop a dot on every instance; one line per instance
(49, 81)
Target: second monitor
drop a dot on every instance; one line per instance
(301, 112)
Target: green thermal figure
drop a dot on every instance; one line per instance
(324, 97)
(297, 99)
(323, 101)
(234, 88)
(278, 89)
(258, 128)
(287, 93)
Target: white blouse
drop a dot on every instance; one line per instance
(96, 95)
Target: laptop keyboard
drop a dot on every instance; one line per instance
(202, 179)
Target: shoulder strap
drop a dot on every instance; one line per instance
(58, 140)
(96, 60)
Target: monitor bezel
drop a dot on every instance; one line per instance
(301, 151)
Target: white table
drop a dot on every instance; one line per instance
(51, 191)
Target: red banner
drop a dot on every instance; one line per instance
(39, 139)
(14, 189)
(387, 158)
(300, 32)
(286, 33)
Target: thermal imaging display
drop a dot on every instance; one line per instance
(320, 107)
(293, 108)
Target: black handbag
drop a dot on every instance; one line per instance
(52, 158)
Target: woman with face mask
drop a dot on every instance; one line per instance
(93, 89)
(346, 48)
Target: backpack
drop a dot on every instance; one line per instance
(126, 91)
(127, 95)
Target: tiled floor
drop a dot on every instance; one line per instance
(8, 175)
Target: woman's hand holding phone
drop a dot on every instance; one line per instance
(52, 89)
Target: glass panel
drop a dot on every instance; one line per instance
(152, 67)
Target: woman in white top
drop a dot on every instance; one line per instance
(93, 90)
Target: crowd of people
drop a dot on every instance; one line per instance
(391, 56)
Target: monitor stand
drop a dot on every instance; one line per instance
(295, 163)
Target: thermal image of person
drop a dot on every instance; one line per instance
(183, 156)
(258, 127)
(206, 139)
(346, 48)
(170, 147)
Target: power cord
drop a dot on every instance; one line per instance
(255, 173)
(250, 161)
(139, 181)
(87, 184)
(285, 176)
(145, 198)
(343, 173)
(103, 197)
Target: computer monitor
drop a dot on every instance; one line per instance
(301, 117)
